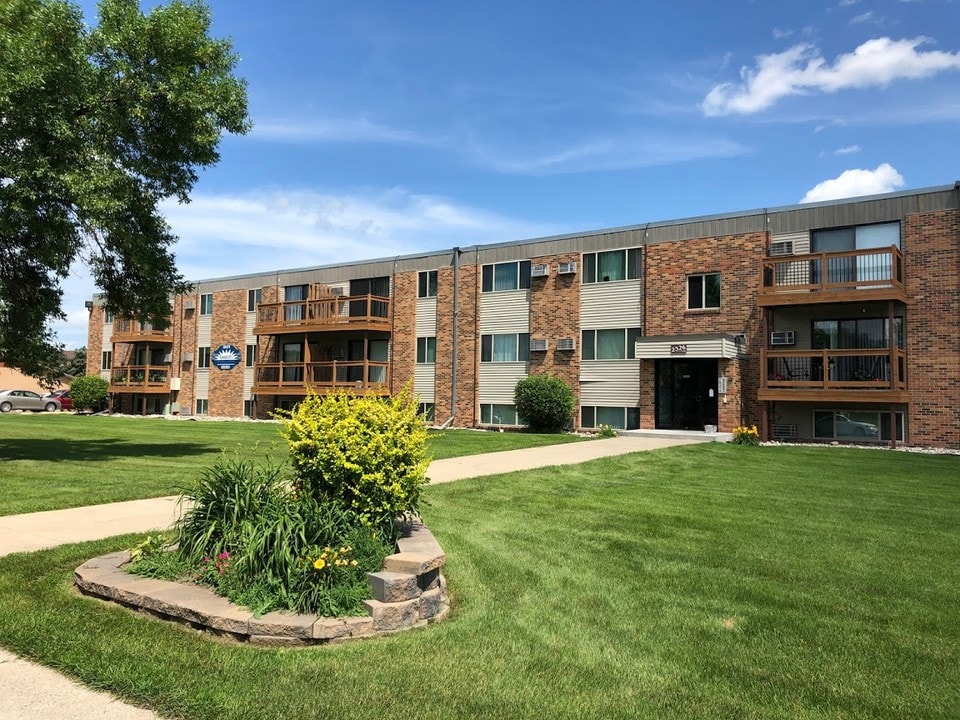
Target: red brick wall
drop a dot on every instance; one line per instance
(228, 326)
(95, 341)
(737, 259)
(555, 313)
(931, 244)
(404, 338)
(185, 341)
(466, 410)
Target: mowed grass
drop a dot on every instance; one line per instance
(57, 461)
(705, 581)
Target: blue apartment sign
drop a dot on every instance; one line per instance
(226, 357)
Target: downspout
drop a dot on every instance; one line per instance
(456, 333)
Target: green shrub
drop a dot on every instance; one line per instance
(253, 538)
(545, 402)
(607, 431)
(366, 454)
(89, 392)
(746, 435)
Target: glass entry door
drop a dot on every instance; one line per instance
(686, 394)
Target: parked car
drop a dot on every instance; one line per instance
(26, 400)
(66, 402)
(845, 427)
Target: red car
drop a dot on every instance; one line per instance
(66, 402)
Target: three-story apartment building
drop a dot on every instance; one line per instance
(820, 322)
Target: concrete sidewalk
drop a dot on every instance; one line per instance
(29, 691)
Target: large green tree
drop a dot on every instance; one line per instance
(97, 126)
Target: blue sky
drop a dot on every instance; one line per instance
(384, 128)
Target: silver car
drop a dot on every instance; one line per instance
(26, 400)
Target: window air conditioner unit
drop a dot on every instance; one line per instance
(336, 291)
(781, 248)
(174, 384)
(567, 268)
(186, 357)
(538, 345)
(168, 358)
(784, 432)
(539, 271)
(783, 337)
(566, 344)
(188, 305)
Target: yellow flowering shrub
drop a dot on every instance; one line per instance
(746, 435)
(367, 453)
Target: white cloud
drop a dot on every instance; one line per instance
(332, 130)
(802, 70)
(854, 183)
(780, 33)
(867, 17)
(848, 150)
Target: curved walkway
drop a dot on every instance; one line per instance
(29, 691)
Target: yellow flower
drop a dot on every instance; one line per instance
(319, 563)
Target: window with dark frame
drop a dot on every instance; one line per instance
(505, 347)
(426, 350)
(427, 284)
(106, 359)
(611, 266)
(703, 291)
(502, 277)
(609, 344)
(206, 304)
(203, 357)
(251, 358)
(253, 299)
(203, 406)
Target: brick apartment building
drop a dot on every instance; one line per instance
(827, 321)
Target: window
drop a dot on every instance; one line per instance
(378, 286)
(203, 357)
(294, 294)
(506, 276)
(202, 406)
(248, 408)
(107, 317)
(251, 355)
(106, 360)
(426, 350)
(613, 344)
(428, 411)
(619, 418)
(509, 347)
(856, 333)
(494, 414)
(427, 284)
(611, 266)
(855, 238)
(206, 304)
(855, 425)
(253, 299)
(703, 291)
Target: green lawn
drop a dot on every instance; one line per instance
(706, 581)
(57, 461)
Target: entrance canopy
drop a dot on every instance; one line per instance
(714, 345)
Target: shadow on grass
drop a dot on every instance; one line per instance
(94, 450)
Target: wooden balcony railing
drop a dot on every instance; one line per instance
(322, 377)
(125, 330)
(855, 275)
(140, 378)
(879, 370)
(329, 313)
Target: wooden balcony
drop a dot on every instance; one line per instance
(853, 276)
(140, 379)
(125, 330)
(861, 375)
(355, 312)
(367, 377)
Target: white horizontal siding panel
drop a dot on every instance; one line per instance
(247, 382)
(249, 337)
(505, 312)
(203, 330)
(107, 336)
(610, 305)
(800, 240)
(498, 381)
(201, 384)
(426, 325)
(610, 383)
(425, 382)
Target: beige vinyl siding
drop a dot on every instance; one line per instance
(201, 384)
(107, 345)
(503, 312)
(498, 380)
(612, 383)
(203, 331)
(426, 325)
(610, 305)
(249, 339)
(718, 347)
(425, 382)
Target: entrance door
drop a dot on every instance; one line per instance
(686, 394)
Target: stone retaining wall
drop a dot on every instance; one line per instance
(409, 592)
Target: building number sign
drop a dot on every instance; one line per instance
(678, 349)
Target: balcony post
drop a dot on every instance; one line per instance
(892, 347)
